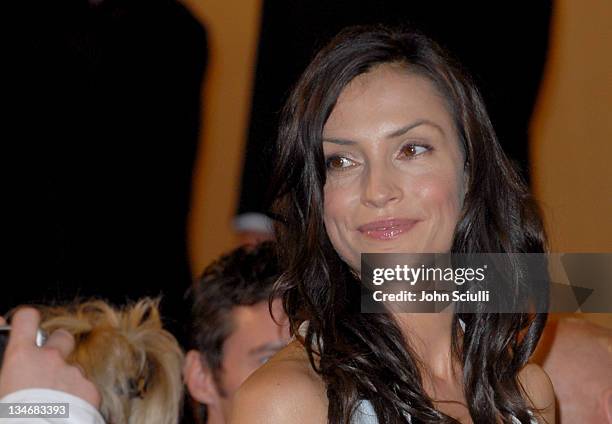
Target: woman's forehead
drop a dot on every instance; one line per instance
(387, 98)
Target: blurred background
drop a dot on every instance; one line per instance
(138, 148)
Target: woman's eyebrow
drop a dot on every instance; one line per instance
(394, 134)
(339, 141)
(403, 130)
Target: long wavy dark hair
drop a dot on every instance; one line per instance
(365, 356)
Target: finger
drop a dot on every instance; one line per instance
(2, 321)
(23, 328)
(62, 341)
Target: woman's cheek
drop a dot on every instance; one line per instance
(442, 193)
(338, 207)
(338, 196)
(440, 201)
(330, 210)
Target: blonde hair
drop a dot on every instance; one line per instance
(135, 363)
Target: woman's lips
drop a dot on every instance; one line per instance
(388, 229)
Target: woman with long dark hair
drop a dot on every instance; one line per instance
(385, 146)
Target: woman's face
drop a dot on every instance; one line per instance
(395, 174)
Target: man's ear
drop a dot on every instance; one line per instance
(199, 379)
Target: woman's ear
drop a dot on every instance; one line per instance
(199, 379)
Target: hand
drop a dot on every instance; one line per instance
(27, 366)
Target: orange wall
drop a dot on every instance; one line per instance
(571, 132)
(572, 129)
(233, 31)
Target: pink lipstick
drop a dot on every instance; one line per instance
(387, 229)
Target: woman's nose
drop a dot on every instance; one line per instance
(380, 188)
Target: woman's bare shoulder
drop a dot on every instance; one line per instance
(285, 389)
(539, 390)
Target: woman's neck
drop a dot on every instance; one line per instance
(429, 335)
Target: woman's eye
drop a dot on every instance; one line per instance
(412, 150)
(338, 162)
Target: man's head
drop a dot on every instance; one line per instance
(232, 330)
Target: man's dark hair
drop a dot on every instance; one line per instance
(243, 277)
